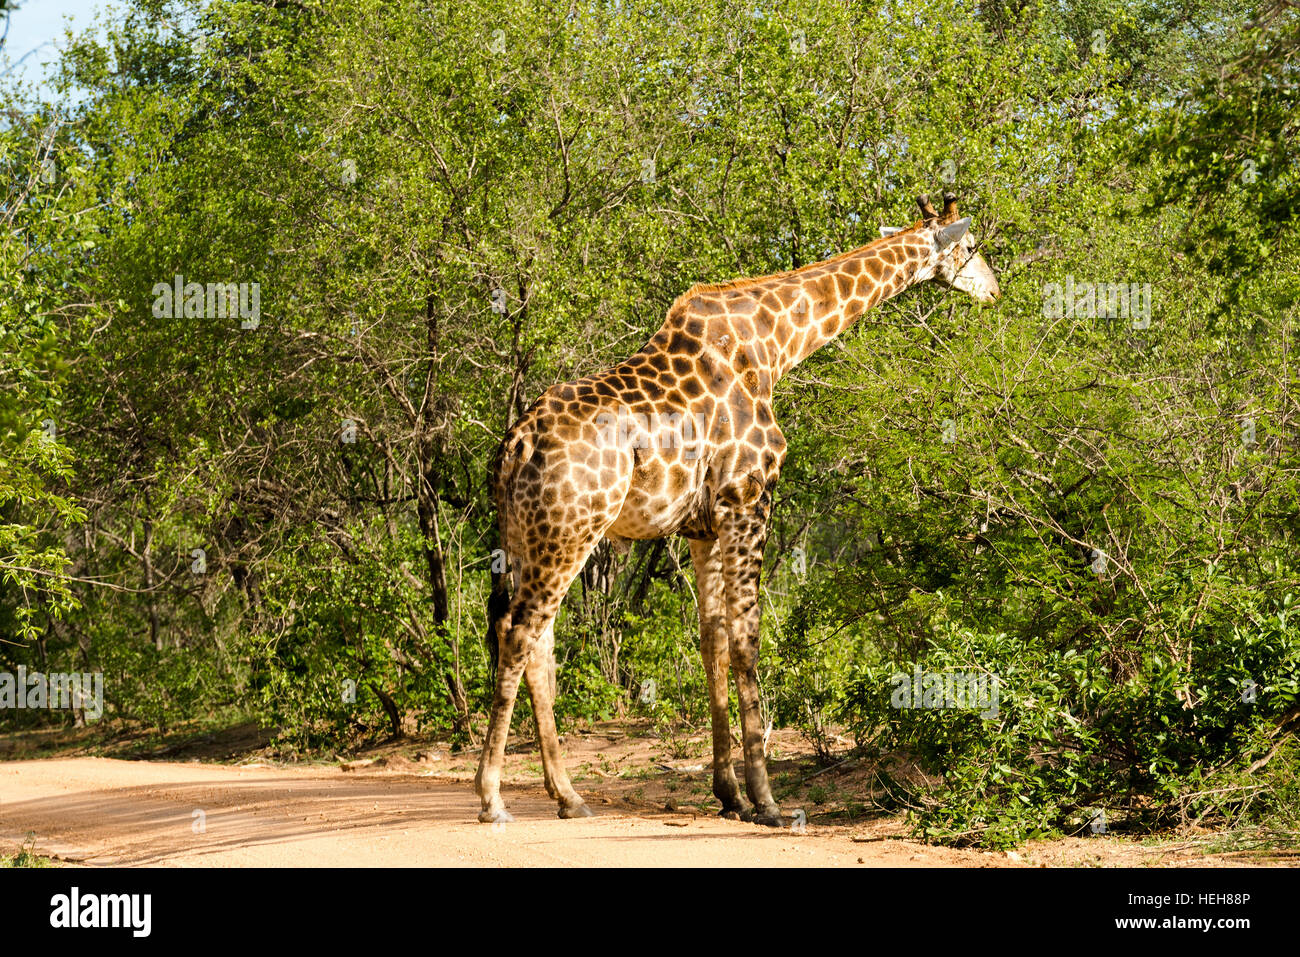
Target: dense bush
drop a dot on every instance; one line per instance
(1078, 736)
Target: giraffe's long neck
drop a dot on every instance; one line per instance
(822, 300)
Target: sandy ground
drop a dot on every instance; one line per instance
(100, 811)
(225, 803)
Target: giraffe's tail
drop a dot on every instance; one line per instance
(516, 448)
(498, 616)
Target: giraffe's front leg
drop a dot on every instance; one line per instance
(707, 558)
(742, 537)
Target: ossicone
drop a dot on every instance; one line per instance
(950, 208)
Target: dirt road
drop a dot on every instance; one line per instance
(99, 811)
(413, 804)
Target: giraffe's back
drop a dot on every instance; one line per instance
(651, 446)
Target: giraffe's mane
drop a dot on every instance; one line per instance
(747, 282)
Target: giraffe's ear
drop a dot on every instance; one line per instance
(948, 235)
(890, 230)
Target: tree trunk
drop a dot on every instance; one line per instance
(390, 708)
(155, 635)
(427, 501)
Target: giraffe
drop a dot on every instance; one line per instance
(680, 438)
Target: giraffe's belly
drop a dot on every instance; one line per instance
(649, 517)
(663, 497)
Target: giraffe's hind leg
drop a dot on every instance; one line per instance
(512, 658)
(707, 558)
(540, 675)
(525, 647)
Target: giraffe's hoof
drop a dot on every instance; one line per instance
(736, 812)
(769, 817)
(570, 811)
(495, 816)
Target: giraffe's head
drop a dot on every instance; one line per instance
(953, 259)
